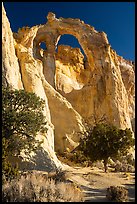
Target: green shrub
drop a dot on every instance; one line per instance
(22, 120)
(78, 157)
(117, 194)
(58, 176)
(106, 141)
(124, 167)
(8, 171)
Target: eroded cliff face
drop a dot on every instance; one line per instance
(100, 87)
(14, 74)
(105, 93)
(76, 89)
(10, 66)
(63, 122)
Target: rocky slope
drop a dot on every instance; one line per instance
(75, 89)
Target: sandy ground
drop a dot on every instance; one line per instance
(94, 182)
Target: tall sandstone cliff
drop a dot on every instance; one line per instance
(76, 89)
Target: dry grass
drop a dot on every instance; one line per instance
(38, 188)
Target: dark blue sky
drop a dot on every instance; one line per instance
(116, 19)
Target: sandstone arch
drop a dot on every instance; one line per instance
(50, 33)
(102, 62)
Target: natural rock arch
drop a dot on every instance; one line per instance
(101, 60)
(51, 32)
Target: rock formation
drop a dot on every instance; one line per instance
(27, 73)
(75, 89)
(9, 58)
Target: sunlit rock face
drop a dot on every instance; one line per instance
(103, 94)
(10, 66)
(26, 76)
(70, 71)
(128, 76)
(97, 86)
(32, 73)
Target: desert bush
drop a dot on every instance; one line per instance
(117, 194)
(127, 159)
(123, 164)
(124, 167)
(105, 141)
(38, 188)
(74, 158)
(98, 164)
(8, 171)
(130, 159)
(58, 176)
(79, 157)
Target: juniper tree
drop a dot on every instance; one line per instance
(104, 141)
(22, 120)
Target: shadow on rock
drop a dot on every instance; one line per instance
(40, 161)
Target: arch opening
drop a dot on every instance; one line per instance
(70, 40)
(43, 46)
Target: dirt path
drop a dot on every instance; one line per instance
(94, 182)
